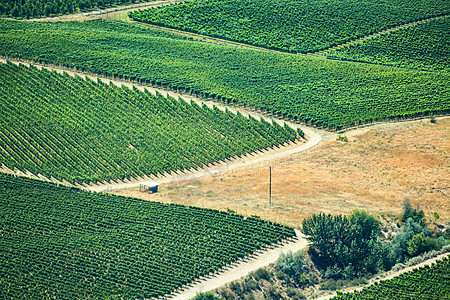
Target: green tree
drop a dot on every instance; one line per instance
(410, 212)
(420, 244)
(344, 246)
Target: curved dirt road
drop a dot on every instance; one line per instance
(314, 137)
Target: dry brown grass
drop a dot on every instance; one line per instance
(376, 171)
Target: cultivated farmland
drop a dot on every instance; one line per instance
(80, 131)
(319, 92)
(425, 46)
(428, 282)
(66, 243)
(296, 26)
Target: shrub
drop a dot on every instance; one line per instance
(291, 264)
(409, 212)
(205, 296)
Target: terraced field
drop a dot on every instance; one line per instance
(330, 94)
(66, 243)
(425, 46)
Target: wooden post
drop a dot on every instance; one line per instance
(270, 185)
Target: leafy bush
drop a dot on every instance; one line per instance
(416, 215)
(205, 296)
(344, 246)
(290, 263)
(420, 244)
(396, 251)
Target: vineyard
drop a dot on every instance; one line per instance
(324, 93)
(64, 243)
(37, 8)
(428, 282)
(425, 46)
(296, 26)
(79, 130)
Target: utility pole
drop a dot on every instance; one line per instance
(270, 185)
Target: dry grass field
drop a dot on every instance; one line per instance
(376, 170)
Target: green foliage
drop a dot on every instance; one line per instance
(290, 268)
(396, 251)
(414, 214)
(420, 244)
(107, 132)
(436, 216)
(261, 273)
(291, 263)
(290, 25)
(343, 247)
(205, 296)
(38, 8)
(79, 244)
(319, 92)
(428, 282)
(424, 46)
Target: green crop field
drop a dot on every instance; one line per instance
(38, 8)
(290, 25)
(64, 243)
(326, 93)
(425, 46)
(78, 130)
(424, 283)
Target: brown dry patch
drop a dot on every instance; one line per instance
(375, 171)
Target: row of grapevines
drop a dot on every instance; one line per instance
(428, 282)
(290, 25)
(325, 93)
(37, 8)
(65, 243)
(79, 130)
(425, 46)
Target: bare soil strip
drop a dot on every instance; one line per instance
(239, 269)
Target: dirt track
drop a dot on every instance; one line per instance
(314, 137)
